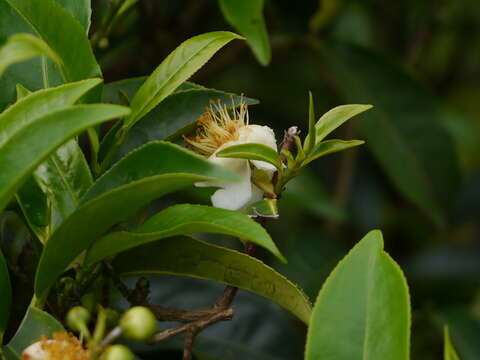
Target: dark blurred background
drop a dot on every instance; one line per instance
(417, 178)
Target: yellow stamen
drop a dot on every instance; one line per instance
(218, 125)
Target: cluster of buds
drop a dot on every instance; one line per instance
(137, 323)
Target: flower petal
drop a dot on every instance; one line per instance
(235, 195)
(260, 135)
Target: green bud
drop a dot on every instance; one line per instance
(118, 352)
(78, 318)
(138, 323)
(112, 317)
(89, 302)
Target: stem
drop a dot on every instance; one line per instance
(196, 326)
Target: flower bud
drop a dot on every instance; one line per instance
(112, 317)
(138, 323)
(118, 352)
(78, 318)
(89, 302)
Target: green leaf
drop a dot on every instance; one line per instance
(174, 116)
(65, 177)
(183, 220)
(80, 10)
(35, 324)
(405, 132)
(126, 5)
(128, 86)
(330, 146)
(264, 208)
(363, 309)
(189, 257)
(35, 105)
(31, 142)
(312, 133)
(143, 175)
(6, 295)
(449, 352)
(63, 34)
(252, 151)
(463, 326)
(66, 169)
(247, 17)
(335, 117)
(21, 47)
(182, 63)
(22, 91)
(35, 208)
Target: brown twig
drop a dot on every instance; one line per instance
(196, 320)
(195, 326)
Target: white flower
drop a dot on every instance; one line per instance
(63, 346)
(219, 129)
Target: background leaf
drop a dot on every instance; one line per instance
(182, 220)
(363, 309)
(146, 174)
(404, 131)
(189, 257)
(449, 352)
(5, 297)
(247, 17)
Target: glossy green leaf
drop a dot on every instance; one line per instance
(252, 151)
(35, 208)
(330, 146)
(28, 145)
(247, 17)
(63, 34)
(5, 295)
(21, 47)
(182, 63)
(189, 257)
(176, 115)
(363, 308)
(40, 103)
(65, 177)
(449, 352)
(80, 10)
(143, 175)
(335, 117)
(65, 170)
(405, 131)
(183, 220)
(35, 324)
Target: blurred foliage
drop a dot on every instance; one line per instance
(433, 43)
